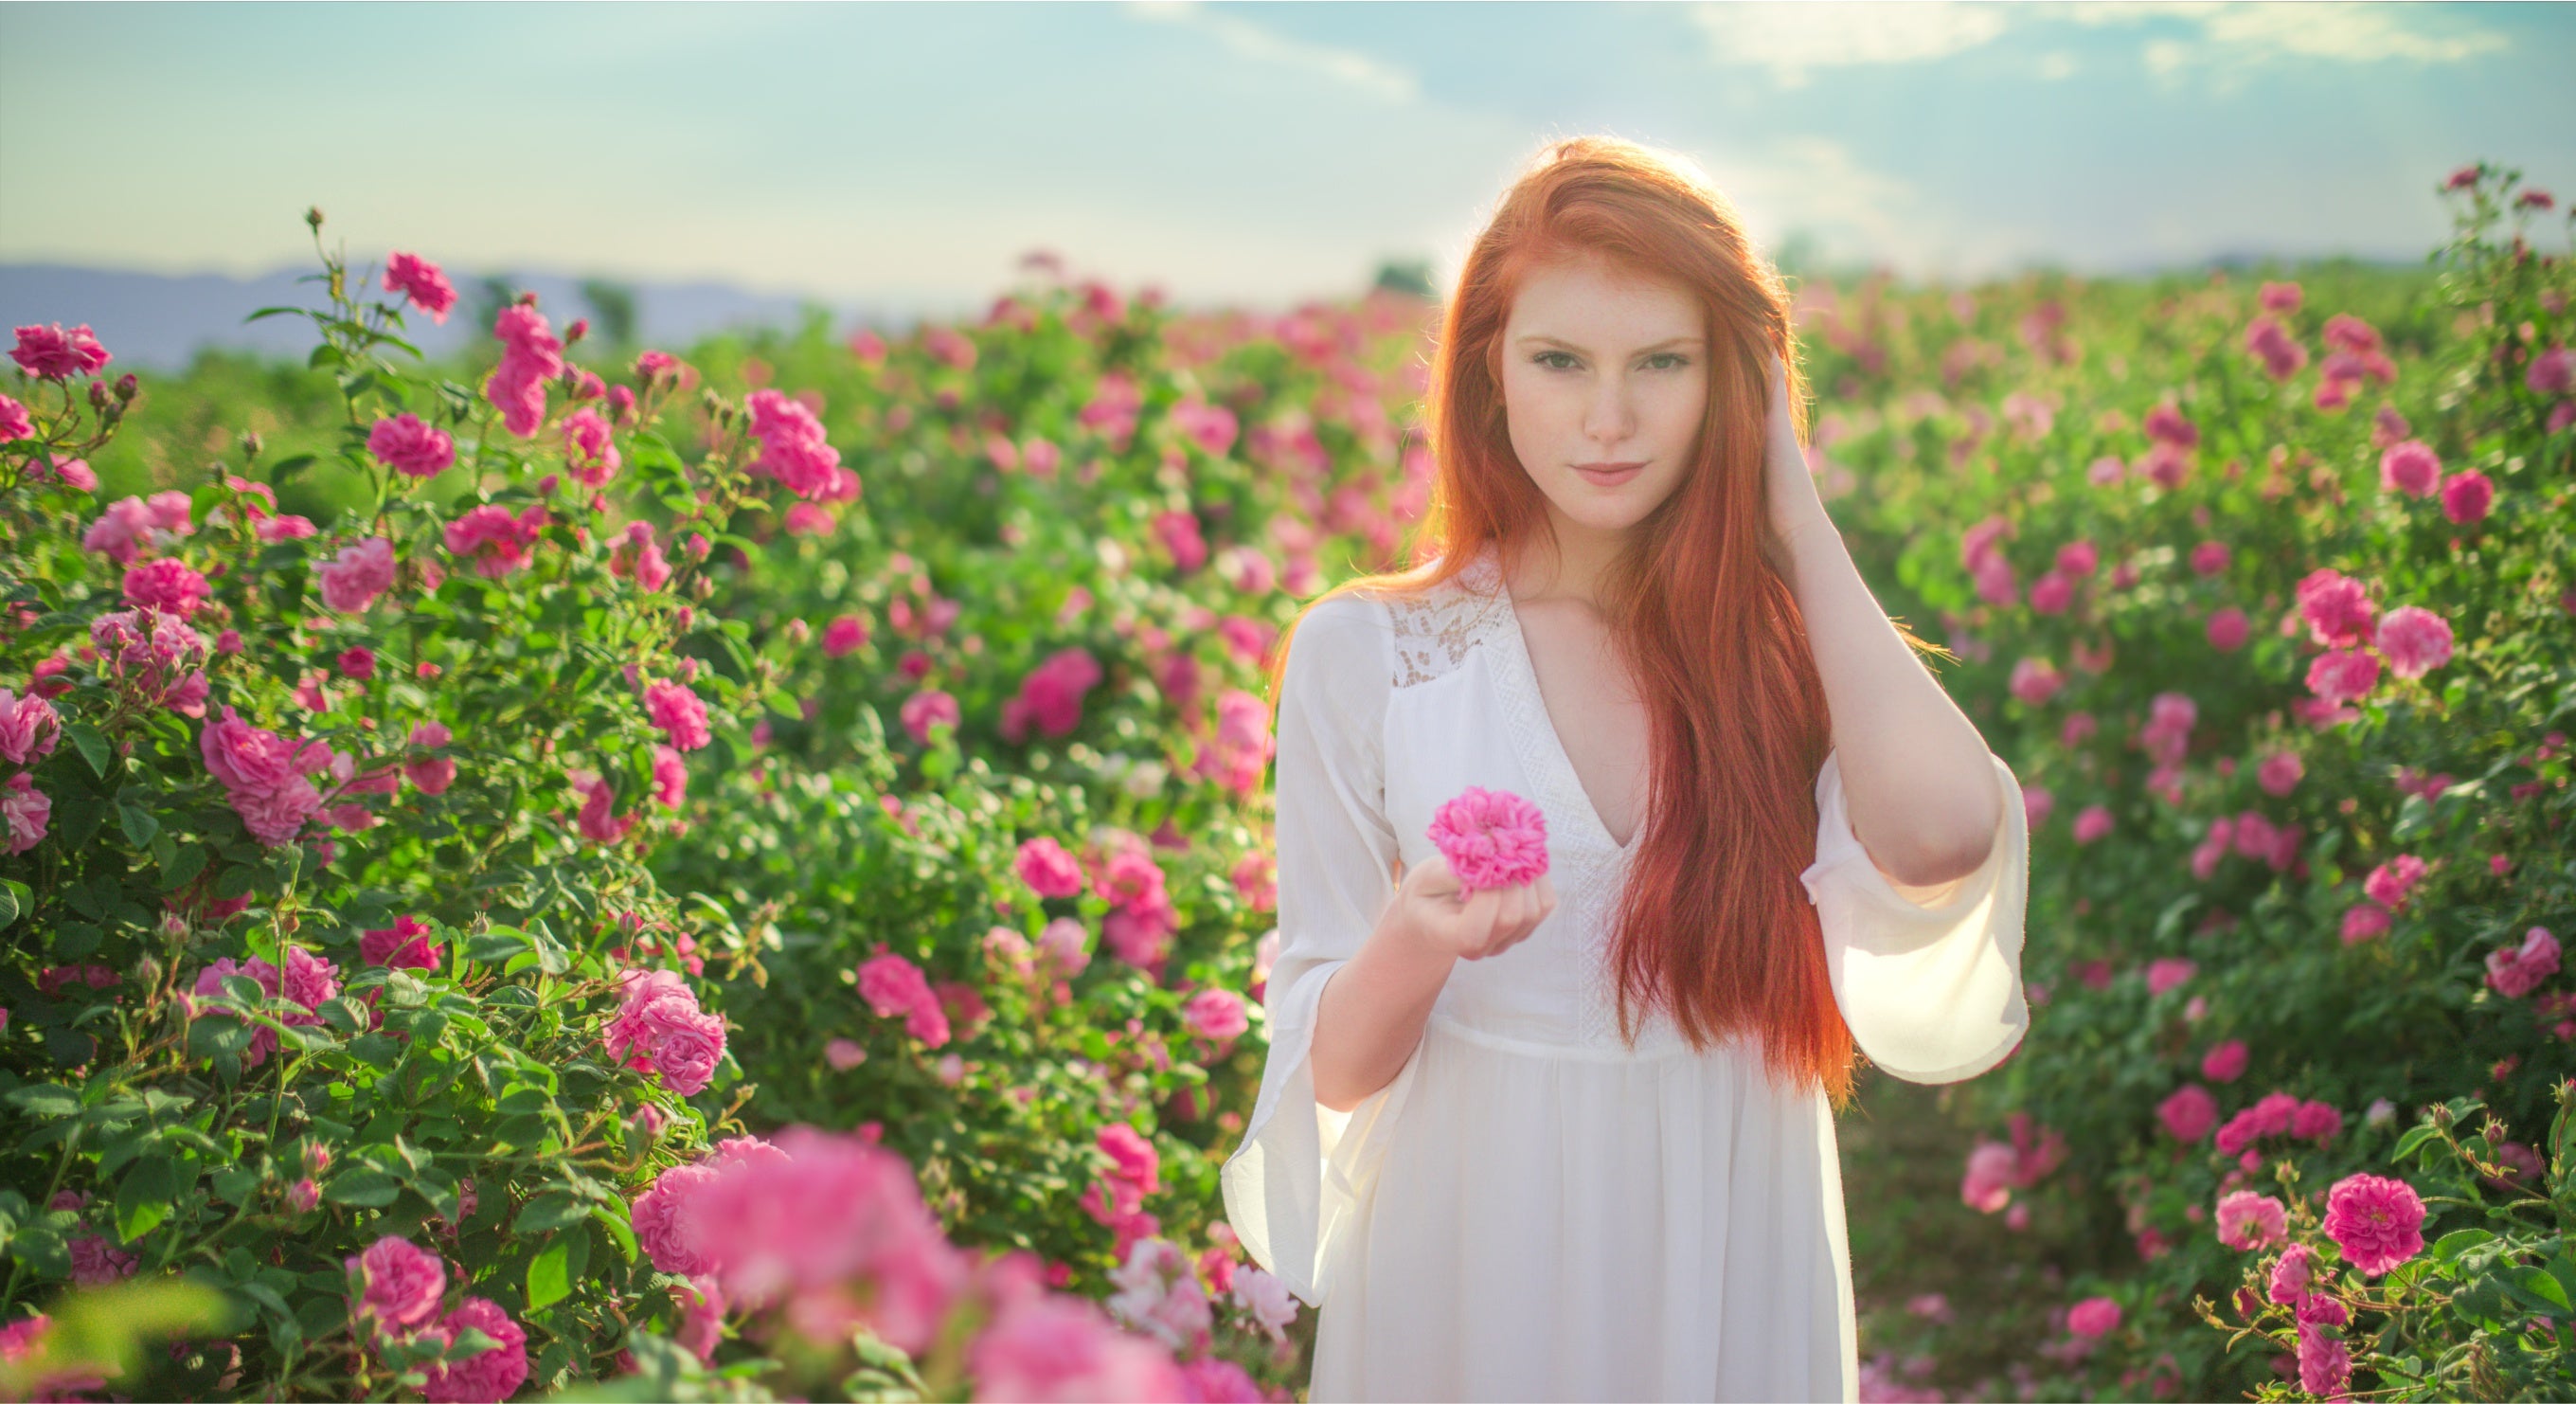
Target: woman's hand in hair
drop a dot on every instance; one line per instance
(1791, 503)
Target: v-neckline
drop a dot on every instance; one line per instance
(1544, 749)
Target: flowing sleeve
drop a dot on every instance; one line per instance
(1932, 993)
(1292, 1185)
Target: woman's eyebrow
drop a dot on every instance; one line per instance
(1658, 346)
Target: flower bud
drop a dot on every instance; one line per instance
(98, 395)
(580, 328)
(527, 299)
(704, 587)
(250, 443)
(798, 631)
(126, 385)
(313, 218)
(147, 972)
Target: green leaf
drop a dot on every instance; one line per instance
(2540, 1286)
(46, 1100)
(373, 1189)
(2407, 1143)
(139, 826)
(288, 467)
(143, 1196)
(235, 1184)
(2453, 1245)
(186, 863)
(74, 939)
(278, 312)
(550, 1211)
(617, 1228)
(548, 1281)
(93, 746)
(16, 900)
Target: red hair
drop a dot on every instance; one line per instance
(1714, 925)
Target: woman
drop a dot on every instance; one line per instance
(1574, 1140)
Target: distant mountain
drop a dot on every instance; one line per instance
(156, 321)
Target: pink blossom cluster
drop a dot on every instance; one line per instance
(405, 945)
(415, 449)
(2251, 1221)
(2513, 971)
(166, 584)
(2356, 356)
(305, 983)
(928, 708)
(266, 776)
(1995, 1169)
(400, 1289)
(1115, 405)
(132, 525)
(2376, 1221)
(1491, 838)
(1178, 531)
(893, 985)
(793, 447)
(25, 1341)
(2393, 883)
(1117, 1200)
(1051, 695)
(351, 580)
(1141, 920)
(829, 1228)
(680, 712)
(1159, 1294)
(25, 811)
(531, 356)
(421, 282)
(2093, 1316)
(2339, 614)
(2247, 835)
(590, 451)
(258, 502)
(1240, 754)
(2279, 1114)
(638, 557)
(2172, 439)
(494, 539)
(1211, 428)
(2281, 353)
(1048, 869)
(2166, 738)
(660, 1031)
(50, 353)
(1215, 1014)
(154, 656)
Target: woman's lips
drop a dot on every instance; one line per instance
(1612, 478)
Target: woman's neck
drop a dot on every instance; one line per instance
(1573, 569)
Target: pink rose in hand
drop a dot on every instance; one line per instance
(1491, 838)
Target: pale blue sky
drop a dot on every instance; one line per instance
(1244, 152)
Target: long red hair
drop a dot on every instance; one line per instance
(1713, 924)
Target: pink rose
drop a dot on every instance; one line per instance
(401, 1283)
(1491, 838)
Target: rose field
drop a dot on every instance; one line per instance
(743, 870)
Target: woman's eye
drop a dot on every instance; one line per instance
(1677, 359)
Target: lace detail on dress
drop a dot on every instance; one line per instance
(1435, 629)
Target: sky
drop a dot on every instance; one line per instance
(1251, 153)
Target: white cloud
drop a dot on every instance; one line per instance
(2222, 40)
(1241, 35)
(1790, 40)
(2238, 36)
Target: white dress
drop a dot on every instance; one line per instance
(1530, 1209)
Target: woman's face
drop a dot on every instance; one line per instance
(1598, 369)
